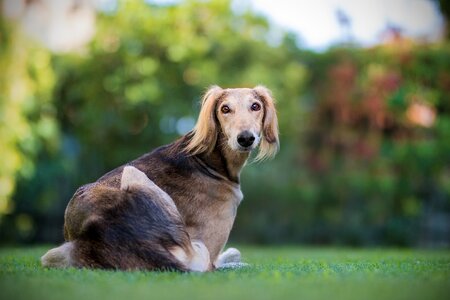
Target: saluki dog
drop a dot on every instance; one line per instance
(173, 208)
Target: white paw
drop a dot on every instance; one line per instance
(201, 261)
(231, 255)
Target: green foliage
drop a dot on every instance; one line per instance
(28, 123)
(367, 169)
(281, 273)
(364, 132)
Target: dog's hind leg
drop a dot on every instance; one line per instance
(60, 257)
(131, 176)
(198, 260)
(194, 254)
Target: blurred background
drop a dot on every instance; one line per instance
(363, 91)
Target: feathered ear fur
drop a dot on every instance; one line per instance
(270, 142)
(204, 135)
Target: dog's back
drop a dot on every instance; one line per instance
(134, 227)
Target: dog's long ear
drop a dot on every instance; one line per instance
(270, 142)
(204, 135)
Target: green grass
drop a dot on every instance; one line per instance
(275, 273)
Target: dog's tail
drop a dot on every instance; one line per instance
(60, 257)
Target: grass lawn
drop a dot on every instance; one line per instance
(274, 273)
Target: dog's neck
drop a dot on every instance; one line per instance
(225, 161)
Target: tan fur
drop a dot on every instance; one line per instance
(241, 117)
(218, 216)
(194, 180)
(205, 131)
(270, 143)
(263, 123)
(60, 257)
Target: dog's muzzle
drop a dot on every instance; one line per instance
(246, 139)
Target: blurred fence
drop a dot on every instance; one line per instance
(365, 133)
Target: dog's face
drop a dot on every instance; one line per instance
(246, 118)
(240, 116)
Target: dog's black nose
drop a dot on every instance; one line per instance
(245, 139)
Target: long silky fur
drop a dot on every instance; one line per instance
(112, 227)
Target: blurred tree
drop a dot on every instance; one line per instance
(138, 86)
(27, 116)
(62, 26)
(346, 26)
(364, 132)
(444, 6)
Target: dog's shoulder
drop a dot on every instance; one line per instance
(169, 158)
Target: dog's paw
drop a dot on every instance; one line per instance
(231, 255)
(200, 262)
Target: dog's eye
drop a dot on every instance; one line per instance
(256, 106)
(225, 109)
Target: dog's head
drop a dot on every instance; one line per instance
(245, 117)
